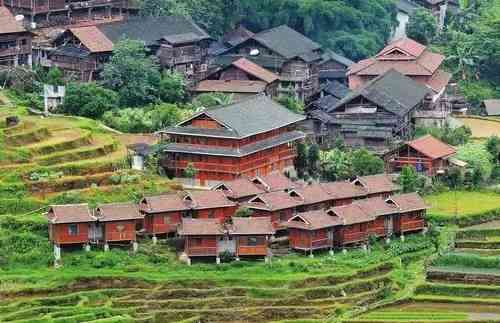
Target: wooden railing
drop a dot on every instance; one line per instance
(321, 243)
(120, 236)
(252, 250)
(379, 232)
(355, 237)
(413, 225)
(411, 160)
(81, 238)
(163, 228)
(203, 166)
(201, 251)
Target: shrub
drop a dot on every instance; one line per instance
(467, 260)
(88, 100)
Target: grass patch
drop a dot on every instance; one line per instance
(465, 202)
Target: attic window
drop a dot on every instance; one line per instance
(299, 219)
(331, 213)
(389, 201)
(357, 182)
(292, 193)
(258, 200)
(188, 198)
(257, 181)
(222, 187)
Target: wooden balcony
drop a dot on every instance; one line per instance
(355, 237)
(202, 166)
(252, 250)
(83, 66)
(14, 51)
(378, 232)
(68, 239)
(164, 228)
(315, 244)
(201, 251)
(120, 236)
(412, 226)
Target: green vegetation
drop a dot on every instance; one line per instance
(422, 26)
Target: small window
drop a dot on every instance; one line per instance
(73, 229)
(252, 241)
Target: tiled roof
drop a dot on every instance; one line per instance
(71, 213)
(331, 55)
(286, 41)
(313, 220)
(200, 227)
(252, 226)
(209, 200)
(273, 201)
(196, 200)
(343, 190)
(231, 86)
(238, 188)
(431, 147)
(237, 36)
(92, 38)
(379, 183)
(392, 91)
(377, 206)
(163, 203)
(8, 23)
(409, 202)
(313, 193)
(405, 44)
(255, 70)
(492, 107)
(352, 214)
(118, 212)
(439, 81)
(275, 181)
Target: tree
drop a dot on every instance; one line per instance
(190, 171)
(301, 160)
(291, 104)
(422, 26)
(210, 100)
(172, 88)
(88, 100)
(132, 74)
(313, 160)
(454, 177)
(408, 179)
(243, 212)
(336, 165)
(478, 158)
(54, 76)
(493, 147)
(365, 163)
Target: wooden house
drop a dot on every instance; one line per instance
(252, 137)
(384, 213)
(342, 192)
(381, 185)
(280, 206)
(355, 224)
(412, 210)
(119, 222)
(427, 154)
(242, 78)
(15, 40)
(178, 43)
(64, 12)
(312, 230)
(252, 236)
(164, 213)
(201, 237)
(375, 115)
(333, 67)
(282, 50)
(71, 224)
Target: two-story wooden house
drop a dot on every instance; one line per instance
(289, 54)
(376, 115)
(252, 137)
(178, 42)
(15, 40)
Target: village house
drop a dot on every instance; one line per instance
(426, 154)
(178, 43)
(15, 40)
(119, 223)
(163, 213)
(379, 185)
(282, 50)
(252, 137)
(47, 13)
(411, 215)
(333, 68)
(242, 78)
(71, 224)
(237, 236)
(355, 222)
(375, 115)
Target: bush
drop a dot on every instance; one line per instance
(467, 260)
(88, 100)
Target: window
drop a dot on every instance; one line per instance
(252, 241)
(73, 229)
(166, 219)
(283, 216)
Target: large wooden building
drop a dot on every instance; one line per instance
(178, 43)
(15, 40)
(252, 137)
(376, 115)
(282, 50)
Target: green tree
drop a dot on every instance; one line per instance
(55, 76)
(243, 212)
(493, 147)
(336, 165)
(408, 179)
(454, 177)
(172, 88)
(190, 171)
(422, 26)
(291, 104)
(88, 100)
(478, 158)
(365, 163)
(132, 74)
(313, 160)
(301, 160)
(211, 100)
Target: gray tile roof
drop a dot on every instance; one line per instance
(286, 42)
(152, 29)
(392, 91)
(231, 152)
(329, 54)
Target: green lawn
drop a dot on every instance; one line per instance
(462, 203)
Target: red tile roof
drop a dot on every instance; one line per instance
(274, 201)
(431, 147)
(8, 22)
(313, 220)
(92, 38)
(377, 206)
(314, 193)
(252, 226)
(409, 202)
(163, 203)
(118, 212)
(255, 70)
(238, 188)
(439, 81)
(209, 200)
(275, 181)
(70, 213)
(352, 214)
(374, 184)
(200, 227)
(231, 86)
(343, 190)
(406, 45)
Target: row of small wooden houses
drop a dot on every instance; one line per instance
(315, 216)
